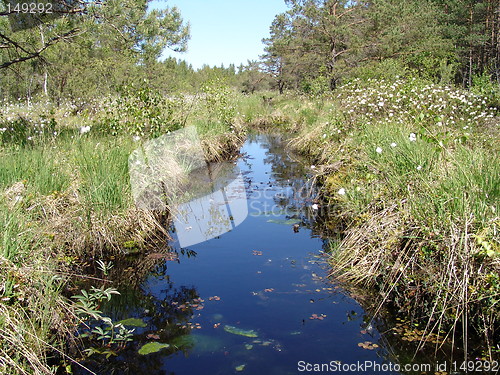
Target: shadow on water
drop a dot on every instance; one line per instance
(256, 299)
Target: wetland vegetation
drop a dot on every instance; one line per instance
(394, 123)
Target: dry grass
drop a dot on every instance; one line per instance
(387, 252)
(95, 235)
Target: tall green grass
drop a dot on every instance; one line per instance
(40, 169)
(102, 168)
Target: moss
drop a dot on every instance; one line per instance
(131, 247)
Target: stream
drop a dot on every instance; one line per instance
(254, 300)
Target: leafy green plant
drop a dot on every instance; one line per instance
(141, 112)
(218, 102)
(103, 334)
(104, 267)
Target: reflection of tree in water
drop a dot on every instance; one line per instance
(291, 172)
(166, 313)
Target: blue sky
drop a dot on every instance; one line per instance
(224, 31)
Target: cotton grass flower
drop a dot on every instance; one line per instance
(341, 191)
(84, 129)
(419, 168)
(413, 137)
(379, 150)
(393, 144)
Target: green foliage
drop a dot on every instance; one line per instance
(103, 332)
(389, 69)
(133, 322)
(446, 110)
(482, 85)
(252, 79)
(105, 42)
(141, 112)
(218, 101)
(316, 87)
(22, 129)
(104, 267)
(415, 174)
(441, 41)
(37, 168)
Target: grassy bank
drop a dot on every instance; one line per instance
(66, 205)
(411, 170)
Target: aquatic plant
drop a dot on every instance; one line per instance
(241, 332)
(152, 347)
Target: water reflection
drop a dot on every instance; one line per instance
(254, 299)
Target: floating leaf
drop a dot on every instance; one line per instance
(367, 345)
(316, 316)
(240, 332)
(240, 368)
(248, 346)
(133, 322)
(284, 222)
(152, 347)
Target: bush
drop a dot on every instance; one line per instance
(141, 112)
(218, 100)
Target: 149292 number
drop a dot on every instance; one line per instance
(30, 8)
(484, 366)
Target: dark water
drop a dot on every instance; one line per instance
(261, 279)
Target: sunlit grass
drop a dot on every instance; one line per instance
(412, 171)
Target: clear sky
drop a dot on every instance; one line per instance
(224, 31)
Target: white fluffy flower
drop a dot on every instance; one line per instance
(379, 150)
(341, 191)
(413, 137)
(84, 129)
(393, 144)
